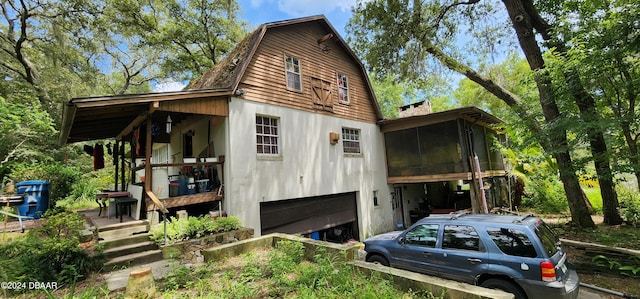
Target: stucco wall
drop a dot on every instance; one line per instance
(308, 165)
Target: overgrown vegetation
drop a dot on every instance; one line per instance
(630, 206)
(52, 253)
(630, 268)
(282, 273)
(193, 227)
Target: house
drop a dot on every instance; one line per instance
(443, 162)
(282, 133)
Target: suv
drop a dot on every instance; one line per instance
(517, 254)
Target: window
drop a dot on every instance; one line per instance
(160, 154)
(460, 237)
(343, 88)
(267, 135)
(351, 140)
(548, 238)
(424, 235)
(512, 242)
(375, 198)
(293, 73)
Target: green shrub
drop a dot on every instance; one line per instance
(629, 206)
(61, 178)
(193, 227)
(50, 253)
(545, 196)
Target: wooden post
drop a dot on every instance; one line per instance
(147, 156)
(115, 162)
(122, 160)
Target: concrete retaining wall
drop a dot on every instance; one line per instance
(192, 250)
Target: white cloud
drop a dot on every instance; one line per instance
(256, 3)
(169, 86)
(300, 8)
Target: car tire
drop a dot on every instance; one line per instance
(378, 259)
(506, 286)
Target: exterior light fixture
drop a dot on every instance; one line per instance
(168, 123)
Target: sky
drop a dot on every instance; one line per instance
(257, 12)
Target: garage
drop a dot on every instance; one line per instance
(328, 215)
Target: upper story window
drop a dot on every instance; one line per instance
(267, 135)
(351, 140)
(343, 88)
(293, 73)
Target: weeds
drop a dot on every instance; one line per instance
(193, 227)
(613, 264)
(283, 272)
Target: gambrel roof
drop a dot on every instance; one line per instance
(92, 118)
(228, 73)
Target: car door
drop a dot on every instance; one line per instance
(416, 248)
(462, 253)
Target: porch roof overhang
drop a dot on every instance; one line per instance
(471, 114)
(104, 117)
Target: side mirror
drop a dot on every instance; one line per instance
(401, 240)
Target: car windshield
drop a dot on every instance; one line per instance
(548, 238)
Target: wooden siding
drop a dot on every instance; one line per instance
(208, 106)
(265, 78)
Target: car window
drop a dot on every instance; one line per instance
(461, 237)
(512, 242)
(549, 239)
(423, 235)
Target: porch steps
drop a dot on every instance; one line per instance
(127, 244)
(121, 230)
(133, 259)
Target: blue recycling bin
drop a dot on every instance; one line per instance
(36, 198)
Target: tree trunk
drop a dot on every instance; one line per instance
(586, 105)
(522, 24)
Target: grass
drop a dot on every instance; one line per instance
(608, 235)
(593, 194)
(281, 273)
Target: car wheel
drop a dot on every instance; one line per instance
(506, 286)
(378, 259)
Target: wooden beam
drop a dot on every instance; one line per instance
(155, 201)
(136, 122)
(325, 38)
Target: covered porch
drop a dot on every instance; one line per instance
(171, 144)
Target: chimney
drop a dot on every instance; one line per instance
(419, 108)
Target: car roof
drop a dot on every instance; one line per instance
(480, 218)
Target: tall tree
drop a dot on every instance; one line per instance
(405, 32)
(604, 54)
(576, 90)
(192, 35)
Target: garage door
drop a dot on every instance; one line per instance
(305, 215)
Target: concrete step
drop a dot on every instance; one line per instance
(115, 252)
(122, 225)
(128, 240)
(133, 259)
(121, 232)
